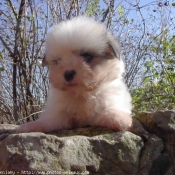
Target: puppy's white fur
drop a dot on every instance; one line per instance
(96, 94)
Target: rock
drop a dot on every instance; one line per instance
(148, 149)
(160, 120)
(115, 153)
(6, 129)
(161, 123)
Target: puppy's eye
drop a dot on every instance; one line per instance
(56, 62)
(87, 57)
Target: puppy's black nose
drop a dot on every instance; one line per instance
(69, 75)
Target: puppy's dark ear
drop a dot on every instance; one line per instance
(113, 46)
(44, 62)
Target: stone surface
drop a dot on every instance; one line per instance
(148, 149)
(162, 124)
(103, 154)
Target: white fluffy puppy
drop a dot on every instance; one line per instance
(86, 85)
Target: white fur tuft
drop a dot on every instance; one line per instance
(78, 34)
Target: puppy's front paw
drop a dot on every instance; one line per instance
(115, 120)
(34, 126)
(121, 122)
(22, 129)
(125, 122)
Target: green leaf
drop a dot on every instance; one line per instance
(1, 57)
(93, 7)
(132, 20)
(147, 79)
(156, 75)
(1, 69)
(120, 10)
(155, 84)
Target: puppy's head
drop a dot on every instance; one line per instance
(81, 55)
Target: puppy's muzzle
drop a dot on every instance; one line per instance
(69, 75)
